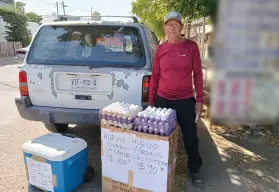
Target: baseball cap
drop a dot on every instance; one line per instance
(173, 15)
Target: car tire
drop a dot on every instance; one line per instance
(57, 128)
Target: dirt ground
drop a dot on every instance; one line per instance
(255, 153)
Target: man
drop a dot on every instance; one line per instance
(171, 86)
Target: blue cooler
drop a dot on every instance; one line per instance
(56, 162)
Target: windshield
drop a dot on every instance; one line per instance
(88, 45)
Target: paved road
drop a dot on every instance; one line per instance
(219, 173)
(9, 61)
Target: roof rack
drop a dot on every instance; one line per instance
(65, 17)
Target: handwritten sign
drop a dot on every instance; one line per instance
(40, 174)
(146, 158)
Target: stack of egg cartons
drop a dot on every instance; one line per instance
(156, 121)
(120, 114)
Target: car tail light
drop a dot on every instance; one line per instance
(23, 87)
(145, 87)
(20, 52)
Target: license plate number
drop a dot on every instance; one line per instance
(89, 83)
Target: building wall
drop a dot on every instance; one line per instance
(33, 27)
(48, 18)
(2, 30)
(4, 4)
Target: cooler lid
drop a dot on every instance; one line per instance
(54, 146)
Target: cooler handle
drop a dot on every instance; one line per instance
(68, 135)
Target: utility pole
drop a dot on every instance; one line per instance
(91, 13)
(15, 5)
(63, 6)
(57, 9)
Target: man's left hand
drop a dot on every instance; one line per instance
(199, 108)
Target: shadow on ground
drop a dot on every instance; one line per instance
(256, 159)
(218, 170)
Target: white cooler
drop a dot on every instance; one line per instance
(56, 162)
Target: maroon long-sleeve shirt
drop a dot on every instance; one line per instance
(172, 71)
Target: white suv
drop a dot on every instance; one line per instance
(74, 68)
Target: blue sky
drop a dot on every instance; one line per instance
(80, 7)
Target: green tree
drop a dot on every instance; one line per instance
(16, 27)
(96, 16)
(194, 9)
(152, 12)
(33, 17)
(20, 7)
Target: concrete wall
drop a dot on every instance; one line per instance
(2, 30)
(48, 18)
(33, 27)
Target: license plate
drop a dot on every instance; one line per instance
(84, 83)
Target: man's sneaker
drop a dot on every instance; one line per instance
(197, 179)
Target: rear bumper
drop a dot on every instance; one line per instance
(56, 115)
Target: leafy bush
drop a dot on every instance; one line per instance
(16, 26)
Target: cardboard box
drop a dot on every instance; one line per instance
(137, 162)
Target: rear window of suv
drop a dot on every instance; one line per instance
(97, 46)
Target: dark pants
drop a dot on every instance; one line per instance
(185, 111)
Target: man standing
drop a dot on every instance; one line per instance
(171, 86)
